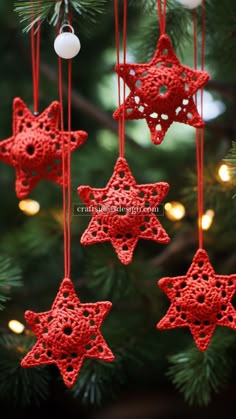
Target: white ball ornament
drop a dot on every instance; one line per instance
(67, 44)
(190, 4)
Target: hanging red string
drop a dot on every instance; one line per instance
(35, 60)
(200, 132)
(161, 11)
(121, 123)
(66, 164)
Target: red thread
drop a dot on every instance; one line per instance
(35, 58)
(121, 120)
(66, 166)
(199, 137)
(161, 11)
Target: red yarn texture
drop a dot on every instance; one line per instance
(124, 212)
(36, 146)
(200, 300)
(161, 91)
(68, 333)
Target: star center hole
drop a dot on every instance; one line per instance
(121, 211)
(163, 89)
(67, 331)
(30, 149)
(201, 299)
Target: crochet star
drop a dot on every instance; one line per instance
(36, 147)
(68, 333)
(200, 300)
(161, 91)
(124, 212)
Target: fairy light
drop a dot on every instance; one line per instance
(224, 173)
(29, 206)
(207, 219)
(175, 211)
(16, 327)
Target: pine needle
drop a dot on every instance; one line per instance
(31, 12)
(199, 375)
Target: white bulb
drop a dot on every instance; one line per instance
(191, 4)
(67, 45)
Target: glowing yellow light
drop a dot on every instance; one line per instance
(175, 211)
(16, 326)
(207, 219)
(224, 173)
(29, 206)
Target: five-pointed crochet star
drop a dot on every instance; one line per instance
(124, 212)
(68, 333)
(37, 145)
(161, 91)
(200, 300)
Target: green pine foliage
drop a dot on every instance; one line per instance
(230, 159)
(32, 12)
(200, 376)
(10, 278)
(20, 387)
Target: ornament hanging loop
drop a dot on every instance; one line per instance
(67, 25)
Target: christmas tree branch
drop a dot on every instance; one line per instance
(31, 12)
(199, 375)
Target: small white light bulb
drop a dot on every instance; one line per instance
(67, 44)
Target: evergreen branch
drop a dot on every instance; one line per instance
(107, 274)
(33, 237)
(230, 159)
(198, 375)
(178, 27)
(100, 382)
(55, 12)
(145, 5)
(10, 276)
(20, 386)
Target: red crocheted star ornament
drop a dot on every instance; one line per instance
(200, 300)
(124, 212)
(36, 146)
(68, 333)
(161, 91)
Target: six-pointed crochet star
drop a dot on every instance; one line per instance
(200, 300)
(37, 145)
(124, 212)
(68, 333)
(161, 91)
